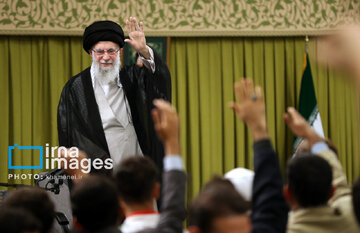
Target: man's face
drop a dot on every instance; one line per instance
(106, 61)
(105, 53)
(231, 224)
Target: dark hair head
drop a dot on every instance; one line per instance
(135, 179)
(309, 179)
(219, 198)
(356, 199)
(94, 203)
(36, 201)
(18, 220)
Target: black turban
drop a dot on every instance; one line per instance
(103, 31)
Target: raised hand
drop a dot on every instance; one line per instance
(250, 107)
(166, 124)
(341, 50)
(137, 37)
(300, 127)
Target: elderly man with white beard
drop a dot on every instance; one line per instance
(106, 110)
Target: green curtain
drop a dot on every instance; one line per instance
(35, 69)
(213, 140)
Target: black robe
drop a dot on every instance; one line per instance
(79, 121)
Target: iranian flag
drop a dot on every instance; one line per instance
(307, 105)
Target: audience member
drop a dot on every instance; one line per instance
(18, 220)
(318, 193)
(95, 205)
(342, 51)
(35, 201)
(309, 181)
(218, 207)
(136, 181)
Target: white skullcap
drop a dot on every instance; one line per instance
(242, 179)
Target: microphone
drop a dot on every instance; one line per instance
(55, 180)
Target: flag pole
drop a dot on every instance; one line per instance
(307, 101)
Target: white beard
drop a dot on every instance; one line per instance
(106, 74)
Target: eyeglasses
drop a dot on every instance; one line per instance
(101, 52)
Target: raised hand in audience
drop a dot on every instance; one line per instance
(166, 124)
(269, 209)
(341, 50)
(300, 127)
(250, 107)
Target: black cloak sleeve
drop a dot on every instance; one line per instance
(141, 88)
